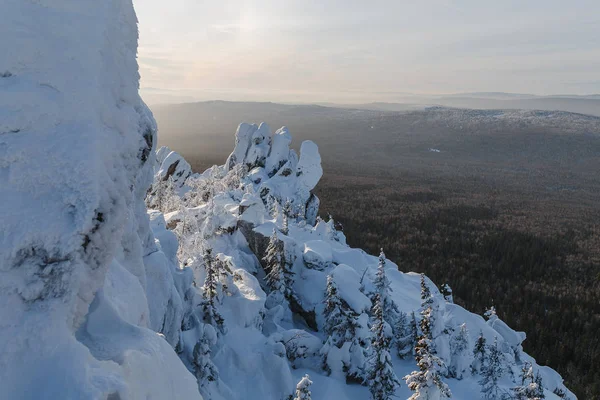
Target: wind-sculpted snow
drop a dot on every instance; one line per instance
(78, 261)
(275, 326)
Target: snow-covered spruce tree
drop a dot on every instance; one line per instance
(382, 380)
(414, 328)
(279, 275)
(492, 372)
(384, 290)
(527, 390)
(447, 293)
(427, 382)
(539, 387)
(275, 261)
(287, 214)
(461, 354)
(303, 389)
(479, 354)
(341, 327)
(209, 306)
(204, 369)
(490, 314)
(405, 342)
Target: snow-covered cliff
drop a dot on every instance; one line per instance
(84, 287)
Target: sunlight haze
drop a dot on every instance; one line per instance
(357, 51)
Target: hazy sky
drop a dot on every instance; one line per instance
(365, 50)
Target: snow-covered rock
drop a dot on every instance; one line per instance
(171, 165)
(84, 288)
(317, 254)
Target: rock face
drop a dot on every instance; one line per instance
(84, 287)
(171, 165)
(276, 169)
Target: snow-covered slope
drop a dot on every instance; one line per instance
(84, 286)
(274, 333)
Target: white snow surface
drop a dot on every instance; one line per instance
(83, 285)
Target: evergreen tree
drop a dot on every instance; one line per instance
(527, 389)
(382, 379)
(405, 337)
(414, 329)
(287, 214)
(447, 293)
(274, 258)
(278, 267)
(384, 290)
(341, 327)
(427, 383)
(211, 314)
(491, 374)
(539, 393)
(204, 369)
(490, 314)
(303, 389)
(460, 350)
(426, 299)
(479, 353)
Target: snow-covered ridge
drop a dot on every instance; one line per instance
(276, 272)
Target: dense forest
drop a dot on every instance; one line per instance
(502, 206)
(541, 275)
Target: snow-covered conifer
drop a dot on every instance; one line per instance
(492, 372)
(461, 355)
(490, 314)
(426, 299)
(341, 326)
(204, 369)
(287, 214)
(527, 390)
(479, 354)
(384, 291)
(303, 389)
(539, 389)
(405, 341)
(382, 380)
(447, 293)
(279, 275)
(414, 329)
(211, 314)
(427, 383)
(275, 265)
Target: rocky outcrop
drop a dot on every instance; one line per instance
(276, 169)
(171, 165)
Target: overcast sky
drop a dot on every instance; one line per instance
(365, 50)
